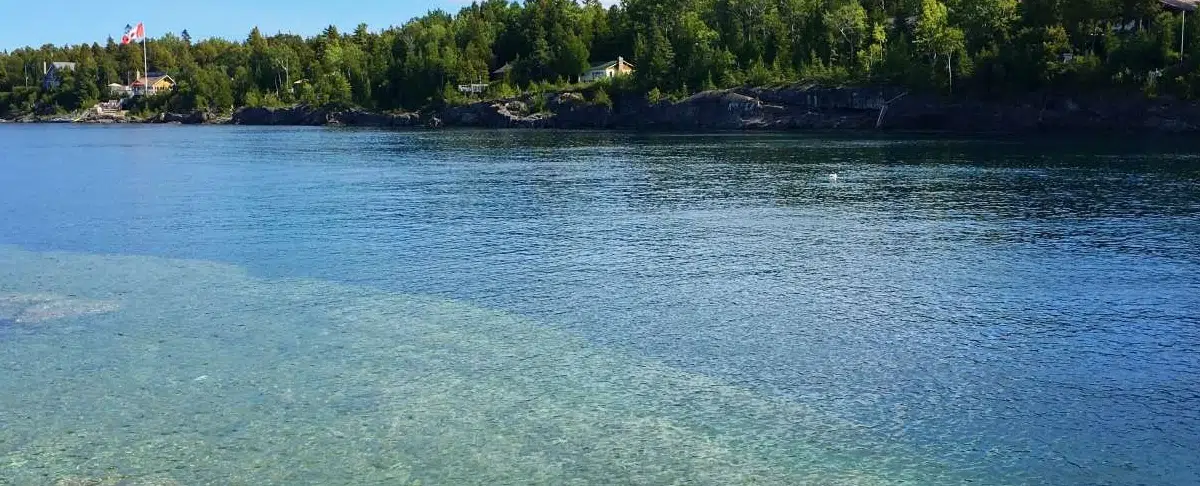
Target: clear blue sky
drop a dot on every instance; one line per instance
(37, 22)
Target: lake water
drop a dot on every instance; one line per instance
(233, 305)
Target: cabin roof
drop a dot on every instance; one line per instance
(503, 69)
(153, 80)
(1185, 5)
(606, 65)
(603, 65)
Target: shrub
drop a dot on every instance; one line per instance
(759, 75)
(502, 90)
(654, 96)
(600, 98)
(252, 99)
(538, 103)
(452, 97)
(271, 100)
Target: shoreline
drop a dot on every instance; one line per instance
(806, 108)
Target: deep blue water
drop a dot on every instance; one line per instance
(1013, 311)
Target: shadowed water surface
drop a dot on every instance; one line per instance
(490, 307)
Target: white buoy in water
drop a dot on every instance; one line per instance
(833, 177)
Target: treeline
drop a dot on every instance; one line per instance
(975, 47)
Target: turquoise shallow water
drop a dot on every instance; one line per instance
(237, 305)
(208, 375)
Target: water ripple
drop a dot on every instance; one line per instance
(1025, 310)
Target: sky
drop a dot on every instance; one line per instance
(34, 23)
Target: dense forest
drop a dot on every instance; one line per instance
(982, 48)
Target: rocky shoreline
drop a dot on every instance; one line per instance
(776, 109)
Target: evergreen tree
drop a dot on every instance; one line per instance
(655, 59)
(992, 47)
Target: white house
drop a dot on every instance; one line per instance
(118, 89)
(606, 70)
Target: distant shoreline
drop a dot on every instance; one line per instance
(758, 109)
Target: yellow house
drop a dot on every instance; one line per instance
(609, 69)
(157, 83)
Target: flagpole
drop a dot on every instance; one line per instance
(145, 62)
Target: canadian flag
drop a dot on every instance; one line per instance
(135, 34)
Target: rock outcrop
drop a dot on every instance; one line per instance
(499, 114)
(102, 117)
(775, 109)
(784, 108)
(296, 115)
(1092, 113)
(360, 118)
(305, 115)
(193, 118)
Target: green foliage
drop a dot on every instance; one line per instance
(1052, 48)
(208, 90)
(146, 106)
(501, 90)
(21, 100)
(617, 86)
(872, 55)
(937, 38)
(848, 19)
(451, 96)
(990, 47)
(655, 59)
(1084, 72)
(760, 75)
(271, 100)
(600, 97)
(819, 72)
(654, 96)
(538, 104)
(306, 94)
(333, 88)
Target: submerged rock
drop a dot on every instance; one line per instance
(37, 308)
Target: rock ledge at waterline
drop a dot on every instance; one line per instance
(779, 109)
